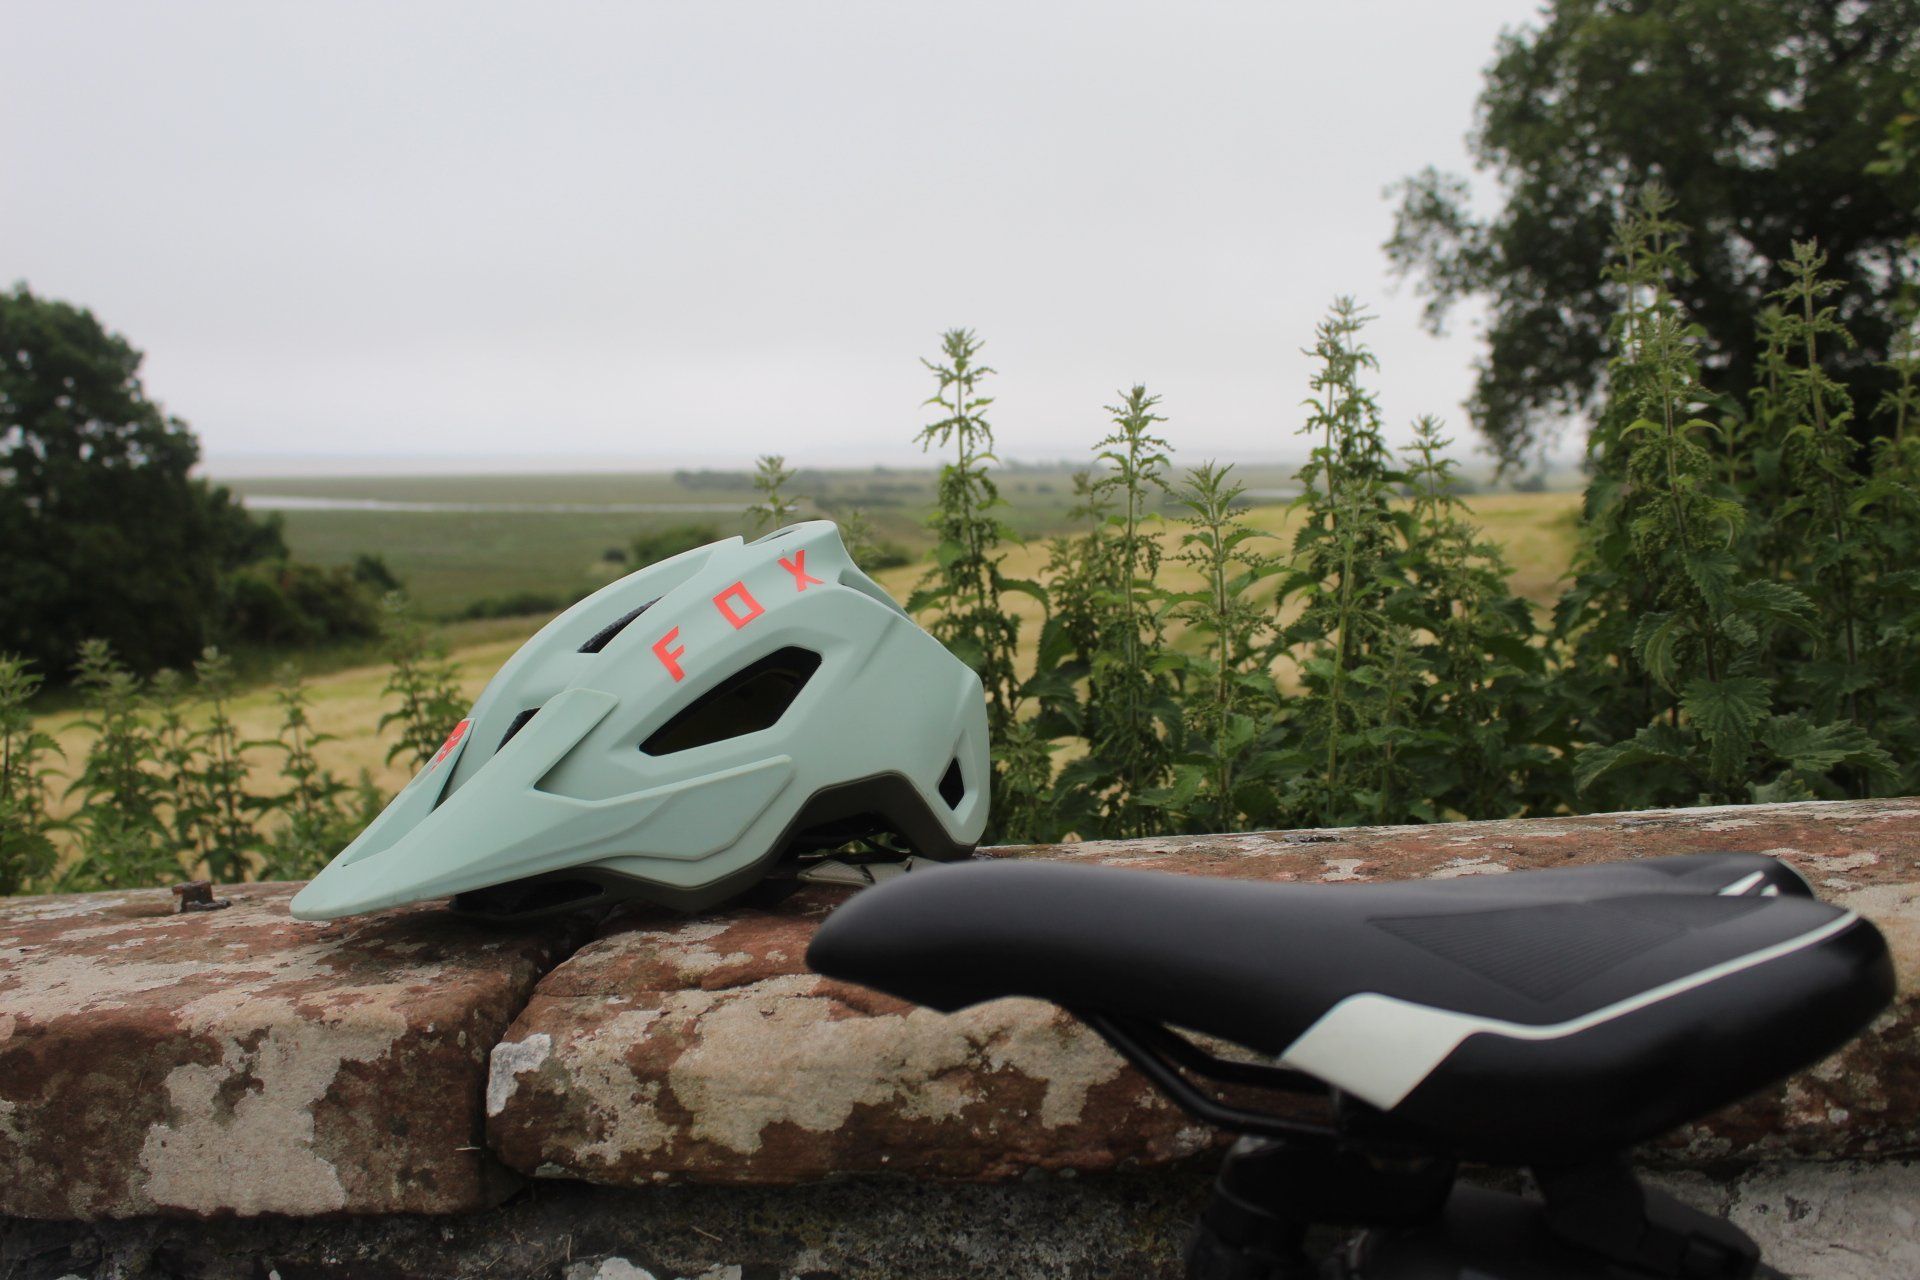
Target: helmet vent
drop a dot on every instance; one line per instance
(519, 723)
(953, 788)
(612, 629)
(751, 699)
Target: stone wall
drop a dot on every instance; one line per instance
(220, 1087)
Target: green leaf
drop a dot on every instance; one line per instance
(1787, 787)
(1777, 602)
(1022, 586)
(1711, 572)
(1818, 749)
(1654, 746)
(1726, 712)
(1655, 638)
(1187, 780)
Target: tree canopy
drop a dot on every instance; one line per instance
(1764, 118)
(104, 532)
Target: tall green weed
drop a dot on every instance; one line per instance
(27, 852)
(963, 595)
(423, 682)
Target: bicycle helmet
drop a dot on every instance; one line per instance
(679, 733)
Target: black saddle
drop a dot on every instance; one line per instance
(1528, 1018)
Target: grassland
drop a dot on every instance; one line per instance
(463, 540)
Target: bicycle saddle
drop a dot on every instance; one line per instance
(1533, 1017)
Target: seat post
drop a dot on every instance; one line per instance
(1250, 1229)
(1270, 1191)
(1601, 1207)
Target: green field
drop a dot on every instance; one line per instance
(552, 534)
(504, 544)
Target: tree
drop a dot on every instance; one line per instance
(104, 533)
(1762, 117)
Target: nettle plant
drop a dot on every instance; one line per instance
(964, 595)
(27, 852)
(1888, 505)
(122, 784)
(1349, 642)
(1227, 678)
(319, 812)
(167, 786)
(1133, 719)
(1486, 705)
(424, 683)
(1728, 720)
(1420, 679)
(1742, 621)
(773, 509)
(226, 820)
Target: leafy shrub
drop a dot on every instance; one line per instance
(319, 810)
(120, 784)
(164, 785)
(288, 603)
(1725, 589)
(423, 681)
(1132, 720)
(370, 570)
(1743, 620)
(653, 545)
(27, 852)
(222, 824)
(1229, 687)
(774, 508)
(961, 593)
(517, 604)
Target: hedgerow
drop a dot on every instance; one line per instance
(1742, 622)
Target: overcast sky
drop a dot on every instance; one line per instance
(669, 233)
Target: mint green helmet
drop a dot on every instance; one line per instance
(678, 735)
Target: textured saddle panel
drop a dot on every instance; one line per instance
(1540, 952)
(1546, 950)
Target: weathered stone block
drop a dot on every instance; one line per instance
(672, 1051)
(242, 1062)
(707, 1051)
